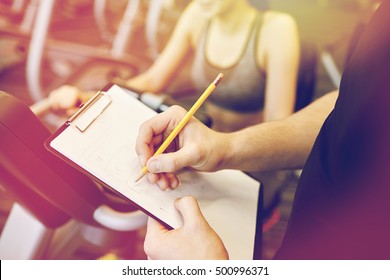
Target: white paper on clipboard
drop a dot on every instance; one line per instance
(101, 140)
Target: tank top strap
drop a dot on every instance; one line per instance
(251, 48)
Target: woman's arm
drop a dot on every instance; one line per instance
(281, 62)
(179, 46)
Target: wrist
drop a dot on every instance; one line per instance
(227, 150)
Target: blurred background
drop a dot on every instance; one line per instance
(88, 43)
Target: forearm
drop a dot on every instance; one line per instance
(283, 144)
(164, 70)
(145, 83)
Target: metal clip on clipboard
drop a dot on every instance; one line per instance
(88, 113)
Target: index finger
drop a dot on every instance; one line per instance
(152, 128)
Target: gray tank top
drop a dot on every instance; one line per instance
(243, 86)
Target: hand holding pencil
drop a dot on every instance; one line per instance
(140, 147)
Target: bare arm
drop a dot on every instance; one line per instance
(282, 51)
(280, 144)
(179, 46)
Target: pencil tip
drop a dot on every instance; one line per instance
(218, 79)
(143, 172)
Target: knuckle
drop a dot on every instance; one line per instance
(142, 127)
(176, 109)
(175, 164)
(188, 199)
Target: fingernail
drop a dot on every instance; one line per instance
(154, 166)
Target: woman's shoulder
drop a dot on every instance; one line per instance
(192, 14)
(192, 21)
(279, 31)
(278, 21)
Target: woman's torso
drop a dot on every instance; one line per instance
(238, 100)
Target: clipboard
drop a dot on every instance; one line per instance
(99, 139)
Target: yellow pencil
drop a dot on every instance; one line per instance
(184, 121)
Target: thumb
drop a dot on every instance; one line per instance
(171, 162)
(189, 208)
